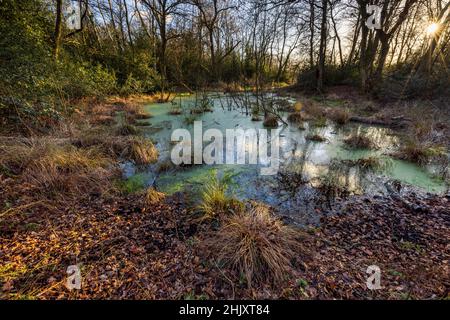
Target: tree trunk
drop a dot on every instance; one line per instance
(377, 78)
(323, 47)
(58, 30)
(311, 38)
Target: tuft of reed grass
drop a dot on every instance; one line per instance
(315, 138)
(102, 109)
(295, 117)
(359, 141)
(420, 153)
(152, 197)
(255, 114)
(215, 203)
(137, 149)
(255, 245)
(284, 105)
(143, 116)
(175, 110)
(51, 166)
(340, 116)
(127, 129)
(270, 122)
(102, 120)
(314, 109)
(371, 163)
(141, 151)
(320, 122)
(132, 108)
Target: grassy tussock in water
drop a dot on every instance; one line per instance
(373, 163)
(215, 202)
(270, 122)
(295, 117)
(359, 141)
(175, 110)
(315, 137)
(420, 153)
(320, 122)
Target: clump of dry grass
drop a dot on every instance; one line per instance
(320, 122)
(152, 197)
(93, 136)
(101, 114)
(314, 109)
(284, 105)
(370, 163)
(127, 129)
(420, 153)
(256, 245)
(141, 151)
(295, 117)
(133, 111)
(102, 109)
(69, 169)
(58, 167)
(102, 120)
(175, 110)
(315, 138)
(340, 116)
(132, 108)
(16, 155)
(255, 114)
(134, 148)
(359, 141)
(143, 116)
(270, 122)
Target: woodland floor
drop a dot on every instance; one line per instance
(128, 251)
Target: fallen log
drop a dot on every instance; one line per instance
(393, 122)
